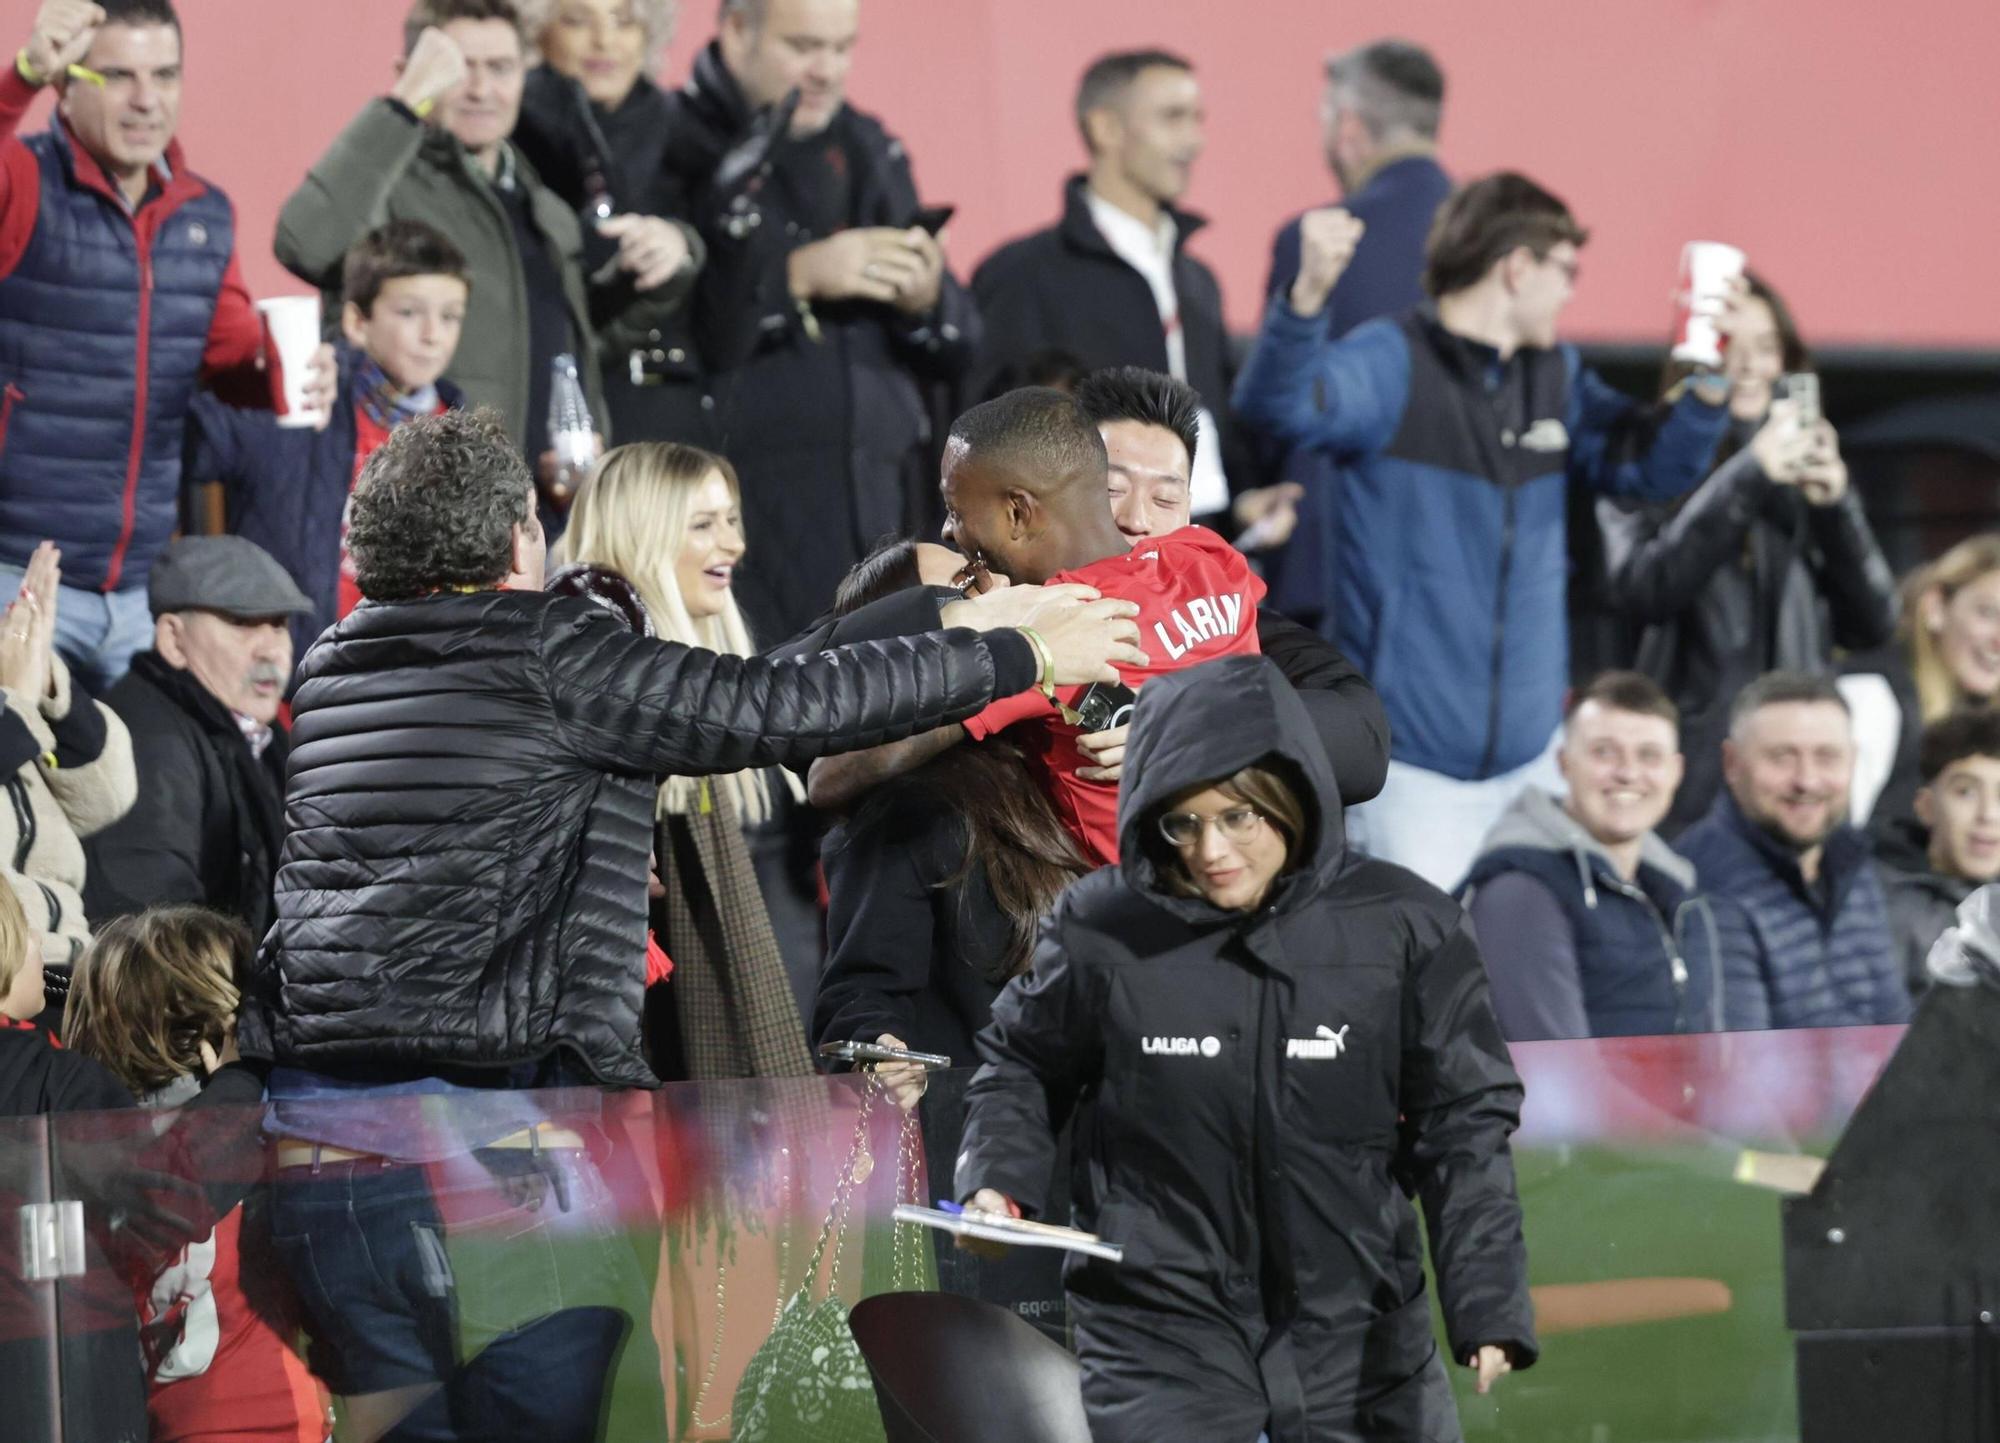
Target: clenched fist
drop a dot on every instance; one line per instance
(430, 72)
(1327, 239)
(61, 37)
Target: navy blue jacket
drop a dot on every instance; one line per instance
(1791, 958)
(1451, 552)
(286, 488)
(1397, 204)
(1573, 949)
(105, 318)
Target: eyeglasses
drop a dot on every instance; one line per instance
(1184, 829)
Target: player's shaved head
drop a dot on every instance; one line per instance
(1036, 438)
(1025, 483)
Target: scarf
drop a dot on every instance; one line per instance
(387, 404)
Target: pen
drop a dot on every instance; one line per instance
(946, 1205)
(84, 72)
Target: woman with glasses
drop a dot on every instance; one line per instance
(1266, 1047)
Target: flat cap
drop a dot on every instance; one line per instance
(225, 574)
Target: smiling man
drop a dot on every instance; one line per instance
(1798, 904)
(1589, 923)
(120, 293)
(202, 707)
(436, 149)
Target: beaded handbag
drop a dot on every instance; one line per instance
(807, 1382)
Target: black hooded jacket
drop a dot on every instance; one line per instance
(1261, 1093)
(463, 879)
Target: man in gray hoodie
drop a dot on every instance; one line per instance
(1589, 923)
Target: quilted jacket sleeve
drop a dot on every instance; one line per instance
(636, 705)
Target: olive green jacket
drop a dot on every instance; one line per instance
(388, 166)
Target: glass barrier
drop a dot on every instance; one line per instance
(679, 1264)
(33, 1238)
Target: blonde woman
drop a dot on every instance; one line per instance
(666, 519)
(1946, 657)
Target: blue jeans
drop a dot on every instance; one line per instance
(517, 1329)
(97, 632)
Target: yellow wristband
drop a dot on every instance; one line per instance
(26, 71)
(1047, 685)
(423, 108)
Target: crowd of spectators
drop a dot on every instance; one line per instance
(456, 764)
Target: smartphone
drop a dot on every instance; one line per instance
(933, 217)
(858, 1051)
(1104, 706)
(1802, 388)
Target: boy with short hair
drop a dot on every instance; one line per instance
(405, 288)
(1959, 803)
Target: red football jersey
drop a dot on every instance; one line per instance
(1197, 600)
(218, 1370)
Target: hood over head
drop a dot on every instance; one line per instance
(1204, 725)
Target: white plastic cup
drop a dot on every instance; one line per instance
(291, 336)
(1707, 269)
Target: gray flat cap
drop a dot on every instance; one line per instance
(225, 574)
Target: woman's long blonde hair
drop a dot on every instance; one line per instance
(631, 517)
(1938, 691)
(152, 988)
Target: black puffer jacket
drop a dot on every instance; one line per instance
(463, 880)
(1259, 1094)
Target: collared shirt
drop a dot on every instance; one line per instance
(255, 734)
(1149, 250)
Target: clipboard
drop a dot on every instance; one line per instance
(1016, 1232)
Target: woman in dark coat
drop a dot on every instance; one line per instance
(1768, 565)
(937, 880)
(1195, 1009)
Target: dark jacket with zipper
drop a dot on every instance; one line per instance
(1257, 1096)
(916, 944)
(1451, 566)
(1066, 289)
(1921, 905)
(821, 408)
(1574, 949)
(1742, 578)
(206, 826)
(471, 807)
(104, 323)
(286, 488)
(1795, 954)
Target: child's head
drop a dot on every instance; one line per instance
(405, 289)
(20, 960)
(153, 988)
